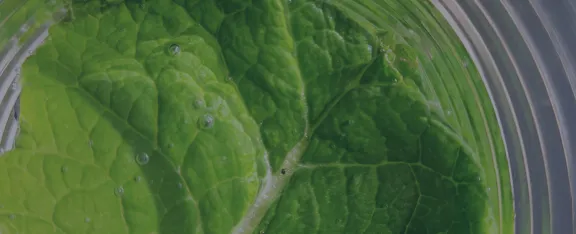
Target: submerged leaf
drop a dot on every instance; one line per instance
(324, 127)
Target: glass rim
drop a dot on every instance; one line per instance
(525, 58)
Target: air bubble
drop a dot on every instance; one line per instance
(142, 158)
(64, 169)
(119, 191)
(14, 85)
(180, 185)
(87, 220)
(12, 216)
(206, 121)
(137, 179)
(199, 103)
(174, 49)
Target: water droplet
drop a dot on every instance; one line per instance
(24, 28)
(174, 49)
(449, 112)
(14, 85)
(142, 158)
(180, 185)
(119, 191)
(87, 220)
(370, 48)
(478, 178)
(91, 143)
(206, 121)
(137, 179)
(199, 103)
(12, 216)
(489, 189)
(64, 169)
(395, 81)
(465, 64)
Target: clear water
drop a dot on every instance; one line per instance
(208, 116)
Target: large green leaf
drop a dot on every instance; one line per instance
(263, 116)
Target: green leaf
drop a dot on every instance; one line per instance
(174, 116)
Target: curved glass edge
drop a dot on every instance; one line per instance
(525, 57)
(23, 26)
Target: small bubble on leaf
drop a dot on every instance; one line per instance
(199, 103)
(64, 169)
(206, 121)
(119, 191)
(142, 158)
(87, 220)
(137, 178)
(180, 185)
(174, 49)
(12, 216)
